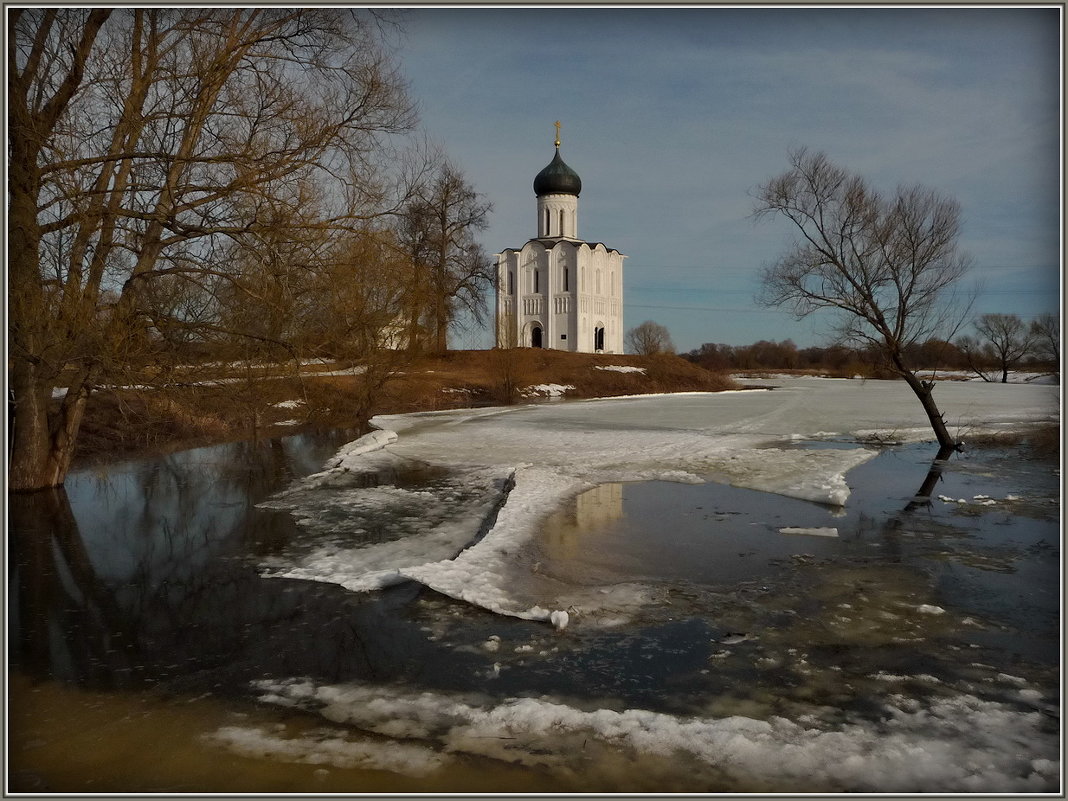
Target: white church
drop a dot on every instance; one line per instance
(558, 291)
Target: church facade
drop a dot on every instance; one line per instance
(558, 291)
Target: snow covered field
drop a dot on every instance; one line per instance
(800, 440)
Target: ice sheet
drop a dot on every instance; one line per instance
(554, 451)
(949, 744)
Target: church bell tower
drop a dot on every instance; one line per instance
(559, 291)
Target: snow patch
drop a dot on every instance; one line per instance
(811, 532)
(348, 456)
(549, 390)
(619, 368)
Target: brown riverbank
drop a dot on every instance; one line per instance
(223, 404)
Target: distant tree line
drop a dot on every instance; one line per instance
(1000, 343)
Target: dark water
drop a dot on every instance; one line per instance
(910, 585)
(146, 576)
(143, 578)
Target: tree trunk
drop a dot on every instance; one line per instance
(43, 439)
(925, 392)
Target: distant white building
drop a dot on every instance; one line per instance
(558, 291)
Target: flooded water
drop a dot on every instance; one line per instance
(151, 651)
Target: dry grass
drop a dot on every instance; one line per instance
(127, 423)
(1042, 442)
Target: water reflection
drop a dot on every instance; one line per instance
(64, 619)
(145, 575)
(590, 510)
(934, 475)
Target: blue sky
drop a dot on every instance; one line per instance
(672, 116)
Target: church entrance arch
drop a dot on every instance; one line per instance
(598, 338)
(535, 336)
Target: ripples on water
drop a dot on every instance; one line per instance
(138, 614)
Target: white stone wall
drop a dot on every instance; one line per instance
(567, 291)
(558, 216)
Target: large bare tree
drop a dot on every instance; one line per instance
(146, 146)
(453, 272)
(887, 264)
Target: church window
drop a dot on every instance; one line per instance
(567, 288)
(511, 283)
(546, 222)
(536, 281)
(561, 222)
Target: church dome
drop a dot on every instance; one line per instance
(557, 179)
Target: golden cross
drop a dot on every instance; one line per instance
(557, 124)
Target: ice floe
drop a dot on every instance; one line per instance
(946, 744)
(552, 452)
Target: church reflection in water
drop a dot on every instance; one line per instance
(590, 511)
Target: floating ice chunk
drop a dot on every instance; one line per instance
(559, 619)
(811, 532)
(927, 609)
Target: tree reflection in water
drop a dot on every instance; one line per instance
(934, 475)
(147, 576)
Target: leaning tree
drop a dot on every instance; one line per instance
(887, 264)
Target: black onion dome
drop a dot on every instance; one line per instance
(557, 179)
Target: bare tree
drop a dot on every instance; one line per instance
(649, 339)
(886, 263)
(1046, 330)
(1001, 341)
(453, 272)
(144, 146)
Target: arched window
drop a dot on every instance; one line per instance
(567, 287)
(511, 282)
(537, 281)
(561, 222)
(546, 233)
(598, 338)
